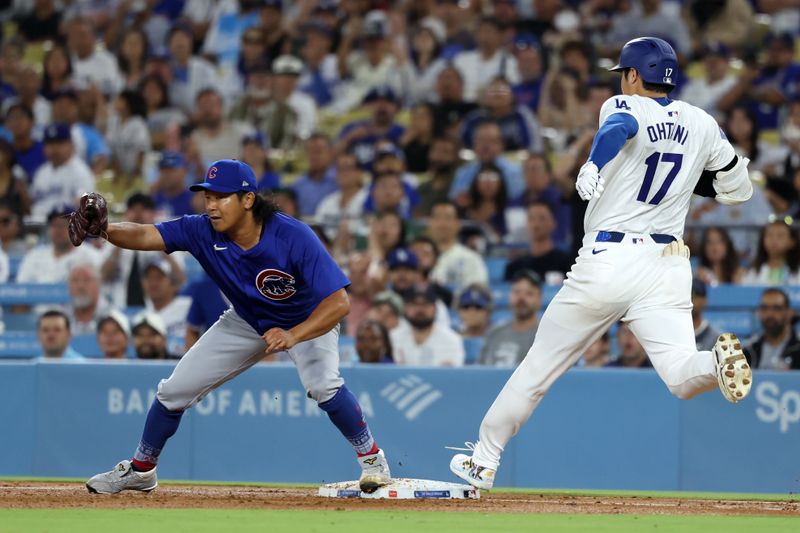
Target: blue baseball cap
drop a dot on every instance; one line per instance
(256, 137)
(474, 297)
(381, 92)
(57, 131)
(171, 159)
(227, 176)
(402, 257)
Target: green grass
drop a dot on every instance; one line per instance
(206, 520)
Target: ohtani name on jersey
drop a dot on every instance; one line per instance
(668, 131)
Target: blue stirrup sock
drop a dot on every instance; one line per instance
(160, 425)
(345, 413)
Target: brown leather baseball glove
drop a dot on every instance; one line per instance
(90, 220)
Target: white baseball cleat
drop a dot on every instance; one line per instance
(478, 476)
(374, 472)
(123, 477)
(734, 375)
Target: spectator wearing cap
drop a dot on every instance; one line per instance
(64, 177)
(361, 136)
(371, 65)
(320, 179)
(778, 347)
(128, 136)
(216, 137)
(443, 160)
(389, 158)
(172, 198)
(404, 273)
(28, 152)
(189, 74)
(766, 88)
(286, 70)
(53, 333)
(488, 146)
(320, 76)
(489, 61)
(372, 343)
(121, 270)
(457, 265)
(449, 107)
(113, 335)
(160, 114)
(90, 144)
(543, 257)
(386, 308)
(388, 195)
(251, 56)
(507, 344)
(706, 92)
(729, 22)
(228, 27)
(518, 126)
(420, 340)
(13, 190)
(208, 304)
(347, 202)
(474, 310)
(86, 303)
(91, 64)
(254, 154)
(150, 336)
(705, 335)
(421, 62)
(161, 297)
(528, 52)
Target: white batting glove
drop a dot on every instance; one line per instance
(589, 183)
(678, 248)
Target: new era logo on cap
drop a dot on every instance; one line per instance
(228, 176)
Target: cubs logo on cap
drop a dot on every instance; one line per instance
(228, 176)
(275, 284)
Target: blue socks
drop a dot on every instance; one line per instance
(345, 413)
(161, 424)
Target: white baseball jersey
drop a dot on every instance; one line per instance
(650, 181)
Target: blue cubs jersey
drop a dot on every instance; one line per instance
(277, 283)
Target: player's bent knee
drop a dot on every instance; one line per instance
(322, 392)
(173, 398)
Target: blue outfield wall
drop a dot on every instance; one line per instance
(597, 429)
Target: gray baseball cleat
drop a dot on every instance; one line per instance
(374, 472)
(123, 477)
(734, 375)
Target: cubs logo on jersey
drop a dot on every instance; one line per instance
(275, 284)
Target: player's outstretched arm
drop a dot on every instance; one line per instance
(135, 236)
(327, 314)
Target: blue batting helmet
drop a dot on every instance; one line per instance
(653, 58)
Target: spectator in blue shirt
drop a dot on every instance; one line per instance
(539, 187)
(320, 180)
(518, 126)
(173, 199)
(90, 145)
(361, 136)
(28, 152)
(320, 74)
(208, 304)
(53, 332)
(488, 147)
(254, 153)
(529, 59)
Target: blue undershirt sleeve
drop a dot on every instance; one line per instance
(611, 137)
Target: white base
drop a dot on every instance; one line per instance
(403, 489)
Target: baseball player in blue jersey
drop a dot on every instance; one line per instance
(648, 157)
(286, 294)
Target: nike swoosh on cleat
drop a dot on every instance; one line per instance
(595, 252)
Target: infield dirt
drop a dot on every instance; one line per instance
(29, 494)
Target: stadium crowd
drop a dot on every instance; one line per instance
(432, 144)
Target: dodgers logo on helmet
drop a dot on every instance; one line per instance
(212, 173)
(275, 284)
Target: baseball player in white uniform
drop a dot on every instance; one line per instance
(648, 157)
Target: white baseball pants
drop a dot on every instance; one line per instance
(629, 280)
